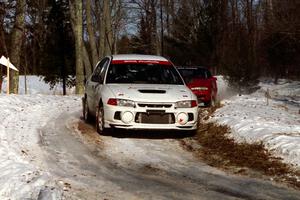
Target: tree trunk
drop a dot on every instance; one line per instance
(116, 9)
(161, 30)
(106, 35)
(16, 44)
(154, 38)
(2, 35)
(108, 28)
(86, 62)
(76, 18)
(102, 32)
(2, 41)
(91, 34)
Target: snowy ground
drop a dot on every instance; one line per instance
(277, 125)
(45, 155)
(36, 85)
(21, 160)
(46, 152)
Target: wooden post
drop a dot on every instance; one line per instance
(7, 82)
(25, 74)
(268, 96)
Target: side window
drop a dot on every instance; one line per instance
(96, 77)
(103, 70)
(97, 70)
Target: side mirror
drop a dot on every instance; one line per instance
(214, 78)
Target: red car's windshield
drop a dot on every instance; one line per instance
(189, 74)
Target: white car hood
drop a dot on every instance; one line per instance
(151, 92)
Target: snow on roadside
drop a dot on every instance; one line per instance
(22, 176)
(36, 85)
(277, 125)
(286, 91)
(224, 92)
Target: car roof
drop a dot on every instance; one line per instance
(138, 57)
(191, 68)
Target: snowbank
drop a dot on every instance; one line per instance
(22, 176)
(36, 85)
(224, 91)
(277, 125)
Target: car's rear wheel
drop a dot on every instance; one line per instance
(100, 119)
(86, 113)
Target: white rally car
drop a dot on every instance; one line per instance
(139, 92)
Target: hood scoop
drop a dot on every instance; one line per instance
(153, 91)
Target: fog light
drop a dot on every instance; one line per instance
(182, 118)
(127, 117)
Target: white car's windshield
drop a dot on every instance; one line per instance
(141, 73)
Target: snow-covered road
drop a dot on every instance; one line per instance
(47, 152)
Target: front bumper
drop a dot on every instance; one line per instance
(156, 117)
(203, 95)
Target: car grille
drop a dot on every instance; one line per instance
(155, 118)
(200, 98)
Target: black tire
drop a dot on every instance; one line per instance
(191, 133)
(100, 119)
(85, 111)
(211, 103)
(207, 104)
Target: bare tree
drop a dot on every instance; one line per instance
(106, 34)
(91, 33)
(2, 38)
(118, 19)
(147, 40)
(16, 44)
(76, 18)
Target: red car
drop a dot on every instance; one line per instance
(201, 82)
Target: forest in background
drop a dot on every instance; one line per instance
(64, 39)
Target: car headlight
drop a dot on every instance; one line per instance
(186, 104)
(199, 88)
(121, 102)
(126, 103)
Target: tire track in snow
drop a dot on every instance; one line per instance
(166, 164)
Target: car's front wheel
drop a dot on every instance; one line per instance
(211, 103)
(100, 119)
